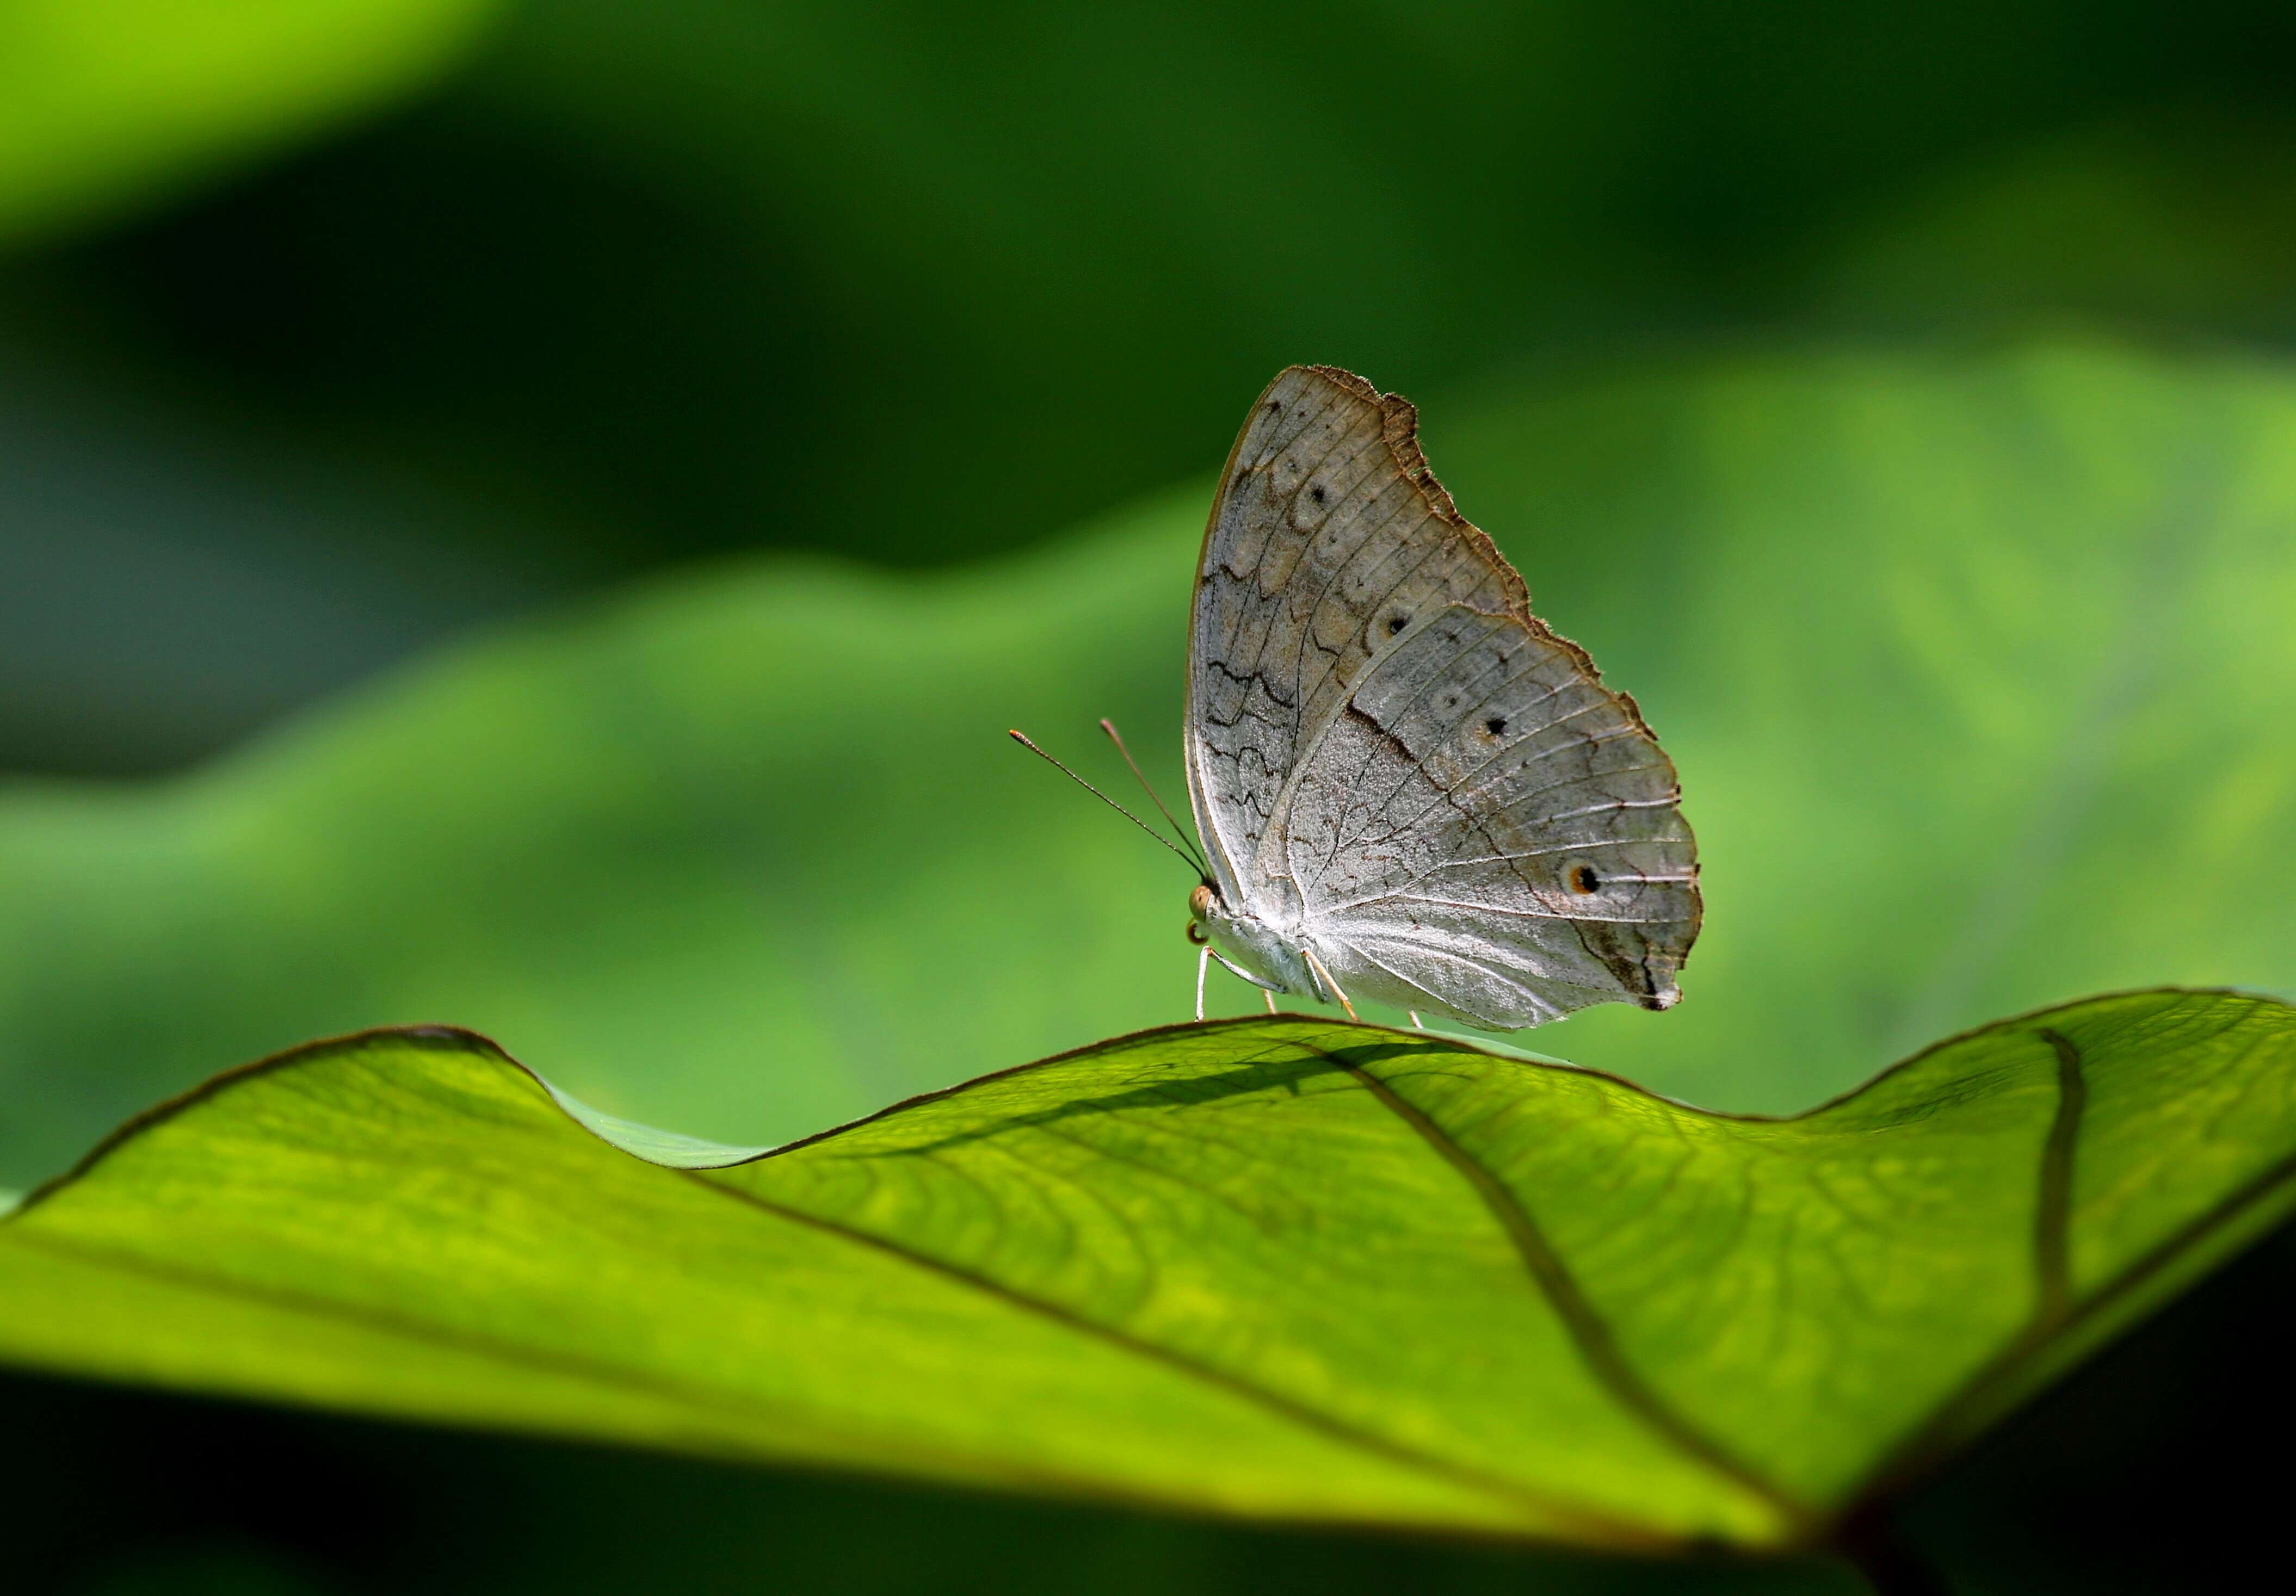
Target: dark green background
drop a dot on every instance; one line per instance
(602, 289)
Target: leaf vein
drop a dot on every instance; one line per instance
(1592, 1522)
(1587, 1330)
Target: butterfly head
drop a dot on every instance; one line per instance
(1245, 943)
(1204, 902)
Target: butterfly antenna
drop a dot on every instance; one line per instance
(1178, 830)
(1110, 802)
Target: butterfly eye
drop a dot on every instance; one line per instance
(1582, 880)
(1200, 904)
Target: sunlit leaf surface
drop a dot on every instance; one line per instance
(1275, 1267)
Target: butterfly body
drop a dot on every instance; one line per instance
(1408, 787)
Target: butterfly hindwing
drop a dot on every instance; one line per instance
(1489, 825)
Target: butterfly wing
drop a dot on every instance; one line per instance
(1489, 832)
(1354, 640)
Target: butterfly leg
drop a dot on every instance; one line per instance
(1416, 1024)
(1323, 977)
(1204, 964)
(1268, 998)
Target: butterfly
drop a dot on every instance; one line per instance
(1408, 789)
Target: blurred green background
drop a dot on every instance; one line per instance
(537, 514)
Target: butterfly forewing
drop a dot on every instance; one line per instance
(1387, 750)
(1318, 524)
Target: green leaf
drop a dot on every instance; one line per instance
(1277, 1268)
(104, 102)
(1976, 671)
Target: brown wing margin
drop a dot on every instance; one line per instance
(1400, 433)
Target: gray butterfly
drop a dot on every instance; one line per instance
(1408, 789)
